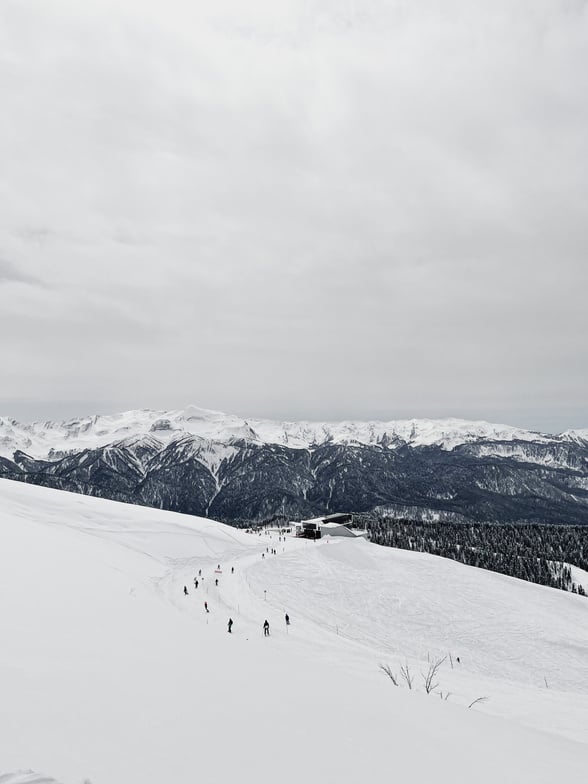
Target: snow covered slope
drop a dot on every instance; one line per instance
(42, 439)
(108, 673)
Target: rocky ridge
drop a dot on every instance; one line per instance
(208, 463)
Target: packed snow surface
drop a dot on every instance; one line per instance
(43, 439)
(110, 673)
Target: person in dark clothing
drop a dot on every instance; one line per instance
(287, 619)
(266, 628)
(230, 625)
(185, 591)
(206, 606)
(216, 581)
(196, 583)
(232, 570)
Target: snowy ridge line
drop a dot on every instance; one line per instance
(156, 429)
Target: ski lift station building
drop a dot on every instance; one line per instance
(331, 525)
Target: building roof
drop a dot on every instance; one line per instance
(338, 516)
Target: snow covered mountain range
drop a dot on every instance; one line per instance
(210, 463)
(50, 439)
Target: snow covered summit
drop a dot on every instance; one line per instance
(41, 439)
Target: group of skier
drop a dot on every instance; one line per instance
(266, 626)
(199, 578)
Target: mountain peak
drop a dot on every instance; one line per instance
(39, 439)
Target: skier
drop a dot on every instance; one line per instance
(206, 606)
(232, 570)
(199, 572)
(216, 581)
(230, 625)
(185, 591)
(195, 582)
(266, 628)
(287, 620)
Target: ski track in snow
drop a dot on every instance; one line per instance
(111, 674)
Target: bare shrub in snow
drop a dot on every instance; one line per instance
(392, 675)
(407, 675)
(430, 676)
(478, 699)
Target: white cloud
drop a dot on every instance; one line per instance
(297, 208)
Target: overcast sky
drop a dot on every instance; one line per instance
(307, 209)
